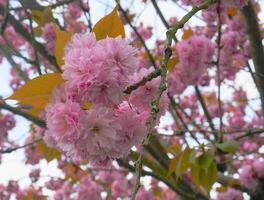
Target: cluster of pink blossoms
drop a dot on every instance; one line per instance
(96, 73)
(89, 189)
(250, 172)
(195, 55)
(145, 32)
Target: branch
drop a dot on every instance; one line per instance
(250, 133)
(32, 37)
(25, 34)
(5, 19)
(8, 56)
(10, 150)
(174, 106)
(17, 111)
(255, 40)
(33, 4)
(86, 10)
(142, 82)
(138, 35)
(206, 113)
(154, 3)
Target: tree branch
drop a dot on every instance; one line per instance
(10, 150)
(25, 34)
(17, 111)
(142, 82)
(256, 46)
(152, 60)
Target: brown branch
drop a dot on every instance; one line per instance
(27, 36)
(164, 21)
(33, 40)
(5, 19)
(256, 46)
(206, 113)
(8, 56)
(152, 60)
(218, 42)
(142, 82)
(18, 111)
(10, 150)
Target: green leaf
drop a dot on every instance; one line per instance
(204, 177)
(184, 162)
(208, 177)
(212, 174)
(205, 160)
(172, 165)
(195, 170)
(230, 146)
(109, 26)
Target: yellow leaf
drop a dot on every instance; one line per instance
(42, 17)
(62, 39)
(172, 63)
(37, 91)
(110, 25)
(49, 153)
(187, 33)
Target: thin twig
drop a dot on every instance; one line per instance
(33, 40)
(10, 150)
(206, 113)
(218, 41)
(143, 81)
(87, 10)
(8, 56)
(174, 106)
(19, 28)
(256, 47)
(152, 60)
(250, 133)
(154, 3)
(18, 111)
(5, 19)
